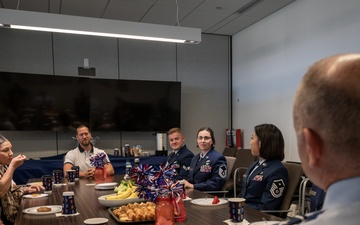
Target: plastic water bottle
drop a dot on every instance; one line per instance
(128, 168)
(136, 162)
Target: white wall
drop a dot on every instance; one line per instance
(270, 58)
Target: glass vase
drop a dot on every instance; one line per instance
(100, 175)
(179, 209)
(164, 211)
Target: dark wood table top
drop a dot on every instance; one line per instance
(87, 204)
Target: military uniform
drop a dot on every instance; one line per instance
(265, 187)
(181, 162)
(317, 196)
(208, 173)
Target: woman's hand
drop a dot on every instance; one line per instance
(187, 184)
(17, 161)
(34, 188)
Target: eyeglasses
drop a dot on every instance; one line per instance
(205, 138)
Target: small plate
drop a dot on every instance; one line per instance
(33, 210)
(32, 183)
(35, 195)
(112, 203)
(106, 186)
(208, 201)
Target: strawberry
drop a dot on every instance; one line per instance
(216, 200)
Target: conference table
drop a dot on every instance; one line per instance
(88, 206)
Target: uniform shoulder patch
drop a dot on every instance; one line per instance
(223, 171)
(277, 188)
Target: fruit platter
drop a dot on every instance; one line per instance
(125, 193)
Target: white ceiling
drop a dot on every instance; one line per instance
(224, 17)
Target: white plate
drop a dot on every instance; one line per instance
(267, 223)
(106, 185)
(207, 201)
(38, 196)
(33, 210)
(32, 183)
(114, 203)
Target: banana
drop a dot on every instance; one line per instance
(134, 195)
(125, 194)
(127, 191)
(122, 195)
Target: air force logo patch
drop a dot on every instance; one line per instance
(223, 171)
(277, 188)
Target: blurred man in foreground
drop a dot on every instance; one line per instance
(327, 124)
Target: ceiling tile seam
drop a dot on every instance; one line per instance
(239, 12)
(103, 12)
(191, 11)
(148, 10)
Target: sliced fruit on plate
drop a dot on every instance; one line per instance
(216, 200)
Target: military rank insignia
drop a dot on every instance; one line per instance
(277, 188)
(223, 171)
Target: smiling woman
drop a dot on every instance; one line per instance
(208, 169)
(10, 193)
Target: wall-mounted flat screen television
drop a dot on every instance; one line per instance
(134, 105)
(32, 102)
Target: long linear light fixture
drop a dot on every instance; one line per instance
(27, 20)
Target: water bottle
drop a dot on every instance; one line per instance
(128, 169)
(136, 162)
(127, 150)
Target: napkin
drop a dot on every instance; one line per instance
(244, 222)
(66, 215)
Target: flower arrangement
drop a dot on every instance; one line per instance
(98, 160)
(153, 181)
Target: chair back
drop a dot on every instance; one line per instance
(230, 161)
(228, 151)
(244, 158)
(295, 174)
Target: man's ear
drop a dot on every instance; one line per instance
(313, 146)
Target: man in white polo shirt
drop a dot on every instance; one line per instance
(80, 156)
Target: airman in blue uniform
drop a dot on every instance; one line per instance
(265, 181)
(208, 169)
(180, 160)
(264, 186)
(181, 156)
(208, 173)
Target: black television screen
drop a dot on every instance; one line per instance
(35, 102)
(32, 102)
(134, 105)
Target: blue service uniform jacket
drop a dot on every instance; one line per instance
(266, 186)
(209, 173)
(181, 162)
(317, 196)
